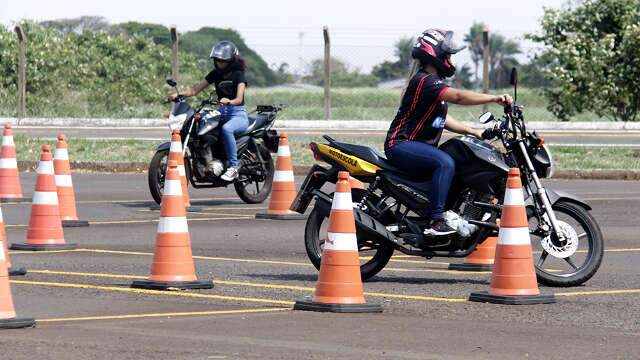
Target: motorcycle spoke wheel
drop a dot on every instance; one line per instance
(568, 268)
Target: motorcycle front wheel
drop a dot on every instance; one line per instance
(586, 256)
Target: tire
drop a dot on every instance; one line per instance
(590, 235)
(243, 188)
(157, 168)
(313, 245)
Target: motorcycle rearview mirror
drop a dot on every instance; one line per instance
(486, 117)
(171, 82)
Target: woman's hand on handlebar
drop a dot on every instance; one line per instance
(504, 100)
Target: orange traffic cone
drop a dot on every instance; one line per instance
(481, 259)
(175, 153)
(284, 187)
(10, 189)
(64, 186)
(339, 287)
(5, 249)
(513, 280)
(8, 318)
(45, 227)
(172, 266)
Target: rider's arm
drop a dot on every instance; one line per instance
(456, 126)
(239, 99)
(466, 97)
(196, 90)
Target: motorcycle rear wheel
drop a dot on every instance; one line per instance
(373, 258)
(245, 184)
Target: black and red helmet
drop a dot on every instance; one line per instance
(435, 47)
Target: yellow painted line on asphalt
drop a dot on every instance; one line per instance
(612, 199)
(599, 292)
(152, 292)
(276, 262)
(174, 314)
(20, 252)
(250, 284)
(128, 201)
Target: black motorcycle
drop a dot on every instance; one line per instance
(200, 131)
(390, 212)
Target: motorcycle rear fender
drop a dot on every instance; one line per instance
(557, 196)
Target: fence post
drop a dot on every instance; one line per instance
(327, 73)
(174, 53)
(485, 63)
(22, 73)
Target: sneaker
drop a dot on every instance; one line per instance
(230, 175)
(439, 228)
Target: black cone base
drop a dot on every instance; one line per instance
(337, 308)
(281, 217)
(16, 200)
(17, 271)
(29, 247)
(74, 223)
(172, 285)
(17, 323)
(512, 300)
(156, 207)
(470, 267)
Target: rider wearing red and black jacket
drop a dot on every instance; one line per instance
(414, 134)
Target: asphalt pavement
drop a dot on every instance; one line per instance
(86, 310)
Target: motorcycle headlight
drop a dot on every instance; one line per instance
(176, 121)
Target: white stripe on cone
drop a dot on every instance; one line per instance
(514, 197)
(7, 140)
(342, 201)
(45, 198)
(514, 236)
(64, 181)
(341, 241)
(1, 217)
(175, 147)
(181, 170)
(9, 163)
(45, 167)
(283, 175)
(173, 225)
(172, 187)
(2, 251)
(61, 154)
(284, 151)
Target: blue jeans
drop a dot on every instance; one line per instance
(423, 159)
(235, 122)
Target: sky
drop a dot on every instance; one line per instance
(362, 33)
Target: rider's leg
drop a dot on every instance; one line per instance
(424, 159)
(236, 123)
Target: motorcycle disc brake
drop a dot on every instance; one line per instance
(565, 233)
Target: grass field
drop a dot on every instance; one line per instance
(347, 104)
(566, 158)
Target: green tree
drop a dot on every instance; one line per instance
(463, 77)
(501, 59)
(389, 70)
(79, 24)
(593, 52)
(341, 74)
(158, 33)
(474, 44)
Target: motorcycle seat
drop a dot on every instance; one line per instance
(374, 156)
(256, 121)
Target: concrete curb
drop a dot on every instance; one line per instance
(140, 167)
(309, 124)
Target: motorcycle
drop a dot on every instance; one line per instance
(390, 213)
(200, 133)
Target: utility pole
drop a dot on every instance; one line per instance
(174, 52)
(485, 63)
(327, 73)
(22, 73)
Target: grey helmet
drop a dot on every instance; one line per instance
(225, 50)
